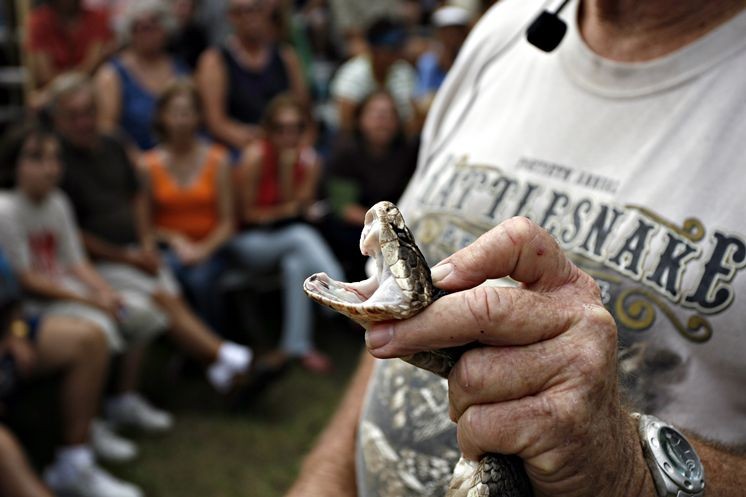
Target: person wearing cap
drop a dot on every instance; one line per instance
(382, 68)
(451, 28)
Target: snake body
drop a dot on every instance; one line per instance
(401, 288)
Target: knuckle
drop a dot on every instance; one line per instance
(467, 377)
(569, 411)
(472, 429)
(462, 383)
(591, 364)
(486, 305)
(454, 413)
(601, 321)
(519, 229)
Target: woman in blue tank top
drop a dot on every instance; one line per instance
(129, 85)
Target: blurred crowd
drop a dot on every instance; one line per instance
(170, 144)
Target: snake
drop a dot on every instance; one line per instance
(400, 288)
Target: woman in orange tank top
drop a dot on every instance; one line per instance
(190, 205)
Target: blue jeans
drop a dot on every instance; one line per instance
(299, 251)
(200, 284)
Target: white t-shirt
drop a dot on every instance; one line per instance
(637, 170)
(40, 237)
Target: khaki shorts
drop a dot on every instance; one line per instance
(141, 319)
(137, 324)
(125, 277)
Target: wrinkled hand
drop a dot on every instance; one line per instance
(544, 386)
(110, 302)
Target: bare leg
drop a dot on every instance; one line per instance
(128, 373)
(191, 333)
(16, 477)
(79, 350)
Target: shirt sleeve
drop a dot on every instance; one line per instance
(12, 240)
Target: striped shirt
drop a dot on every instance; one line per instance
(354, 81)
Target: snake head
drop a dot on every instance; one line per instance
(401, 285)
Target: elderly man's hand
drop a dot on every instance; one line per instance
(544, 385)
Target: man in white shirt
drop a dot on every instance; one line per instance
(624, 146)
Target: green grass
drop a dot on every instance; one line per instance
(214, 451)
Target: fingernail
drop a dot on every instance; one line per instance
(378, 336)
(441, 272)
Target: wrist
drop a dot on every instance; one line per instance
(675, 468)
(630, 475)
(640, 481)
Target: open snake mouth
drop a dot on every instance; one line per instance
(400, 285)
(379, 296)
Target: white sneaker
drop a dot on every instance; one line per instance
(108, 445)
(90, 481)
(134, 411)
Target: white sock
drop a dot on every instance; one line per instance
(232, 359)
(71, 460)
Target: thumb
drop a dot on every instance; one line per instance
(517, 248)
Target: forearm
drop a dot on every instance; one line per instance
(41, 286)
(724, 469)
(41, 69)
(329, 469)
(88, 275)
(233, 133)
(95, 55)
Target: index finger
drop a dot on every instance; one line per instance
(487, 315)
(518, 248)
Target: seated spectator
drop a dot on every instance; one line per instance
(102, 184)
(276, 184)
(373, 164)
(72, 316)
(129, 85)
(189, 199)
(189, 39)
(383, 68)
(451, 27)
(238, 79)
(63, 35)
(17, 479)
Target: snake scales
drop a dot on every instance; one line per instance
(401, 288)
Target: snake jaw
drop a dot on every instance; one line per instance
(401, 285)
